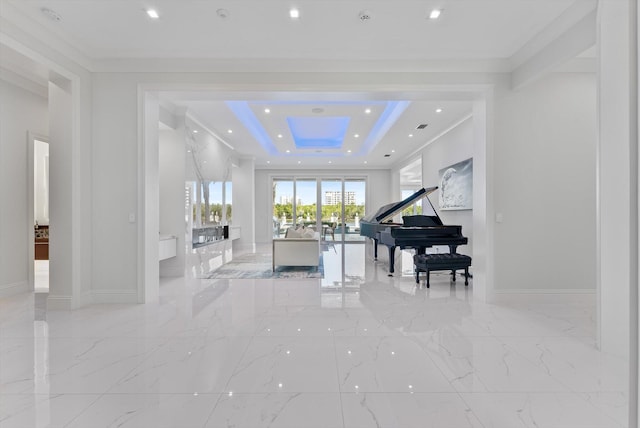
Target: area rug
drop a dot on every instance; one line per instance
(258, 266)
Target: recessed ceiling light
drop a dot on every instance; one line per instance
(230, 131)
(356, 135)
(188, 151)
(294, 13)
(299, 162)
(195, 131)
(268, 161)
(267, 110)
(435, 14)
(365, 161)
(367, 111)
(438, 110)
(288, 151)
(348, 151)
(279, 135)
(393, 151)
(330, 162)
(410, 135)
(153, 13)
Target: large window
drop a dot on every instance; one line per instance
(335, 211)
(306, 205)
(228, 198)
(283, 215)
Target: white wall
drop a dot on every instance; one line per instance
(615, 174)
(452, 147)
(544, 185)
(378, 193)
(62, 264)
(20, 111)
(115, 186)
(171, 213)
(244, 204)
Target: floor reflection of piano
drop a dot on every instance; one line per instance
(417, 231)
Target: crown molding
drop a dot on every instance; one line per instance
(24, 83)
(190, 65)
(29, 33)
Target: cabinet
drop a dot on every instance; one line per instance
(41, 234)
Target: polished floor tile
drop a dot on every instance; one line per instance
(356, 349)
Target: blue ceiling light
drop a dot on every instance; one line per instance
(325, 132)
(319, 132)
(244, 113)
(389, 116)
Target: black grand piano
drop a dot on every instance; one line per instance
(416, 231)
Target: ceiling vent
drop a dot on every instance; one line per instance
(364, 16)
(387, 155)
(422, 126)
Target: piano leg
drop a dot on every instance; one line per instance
(375, 249)
(392, 255)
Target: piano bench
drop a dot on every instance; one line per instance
(442, 261)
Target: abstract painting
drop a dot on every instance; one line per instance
(456, 186)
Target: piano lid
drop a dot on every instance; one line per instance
(389, 210)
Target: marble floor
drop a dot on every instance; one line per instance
(355, 349)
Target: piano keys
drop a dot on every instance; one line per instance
(417, 232)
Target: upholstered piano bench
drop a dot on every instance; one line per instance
(442, 261)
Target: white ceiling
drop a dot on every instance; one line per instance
(258, 35)
(399, 29)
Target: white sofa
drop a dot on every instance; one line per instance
(296, 251)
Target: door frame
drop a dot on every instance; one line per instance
(32, 137)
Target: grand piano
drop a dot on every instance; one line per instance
(417, 231)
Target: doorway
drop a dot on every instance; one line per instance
(39, 213)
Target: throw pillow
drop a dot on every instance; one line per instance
(308, 233)
(292, 233)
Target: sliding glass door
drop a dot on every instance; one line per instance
(294, 204)
(332, 206)
(354, 203)
(283, 215)
(343, 202)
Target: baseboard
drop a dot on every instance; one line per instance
(59, 303)
(7, 290)
(114, 296)
(547, 291)
(541, 296)
(171, 272)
